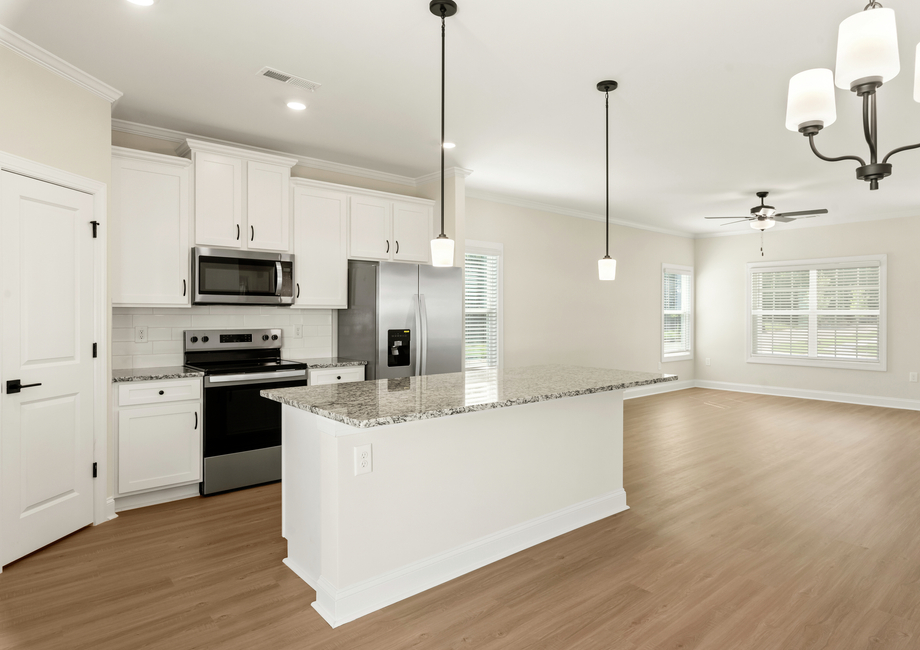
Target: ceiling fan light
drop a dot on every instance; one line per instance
(762, 224)
(811, 99)
(867, 48)
(607, 269)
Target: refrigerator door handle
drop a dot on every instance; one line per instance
(417, 362)
(424, 341)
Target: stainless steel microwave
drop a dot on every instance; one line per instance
(222, 276)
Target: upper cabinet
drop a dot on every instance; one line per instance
(241, 197)
(149, 230)
(380, 228)
(320, 248)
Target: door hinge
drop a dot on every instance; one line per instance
(94, 350)
(95, 470)
(95, 225)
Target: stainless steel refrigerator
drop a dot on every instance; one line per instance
(403, 319)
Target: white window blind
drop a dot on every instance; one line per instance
(825, 311)
(677, 312)
(481, 305)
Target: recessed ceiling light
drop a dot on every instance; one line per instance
(449, 145)
(297, 106)
(143, 3)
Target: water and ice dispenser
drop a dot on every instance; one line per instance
(398, 347)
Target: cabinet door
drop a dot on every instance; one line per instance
(268, 223)
(369, 229)
(149, 233)
(218, 200)
(320, 255)
(411, 232)
(159, 446)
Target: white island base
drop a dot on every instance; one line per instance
(445, 495)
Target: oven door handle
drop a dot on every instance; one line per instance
(280, 374)
(279, 278)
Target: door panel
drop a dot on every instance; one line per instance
(267, 212)
(218, 200)
(397, 300)
(320, 248)
(369, 229)
(442, 289)
(46, 334)
(412, 232)
(158, 446)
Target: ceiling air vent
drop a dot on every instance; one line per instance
(288, 79)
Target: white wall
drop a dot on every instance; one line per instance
(555, 308)
(721, 298)
(166, 327)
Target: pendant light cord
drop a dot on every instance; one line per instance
(607, 155)
(443, 10)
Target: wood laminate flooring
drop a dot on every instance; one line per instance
(756, 522)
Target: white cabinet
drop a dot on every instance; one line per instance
(158, 436)
(149, 229)
(319, 376)
(242, 197)
(383, 229)
(320, 255)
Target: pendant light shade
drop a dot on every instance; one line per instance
(811, 99)
(442, 247)
(867, 48)
(607, 268)
(442, 251)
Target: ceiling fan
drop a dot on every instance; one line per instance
(766, 216)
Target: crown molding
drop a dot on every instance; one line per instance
(160, 158)
(555, 209)
(190, 145)
(450, 172)
(59, 66)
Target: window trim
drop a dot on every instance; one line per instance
(679, 356)
(477, 247)
(829, 262)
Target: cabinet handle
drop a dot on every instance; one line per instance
(339, 377)
(196, 420)
(162, 393)
(298, 290)
(388, 246)
(252, 236)
(237, 232)
(397, 247)
(183, 288)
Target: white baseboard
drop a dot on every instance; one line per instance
(655, 389)
(110, 509)
(339, 606)
(804, 393)
(132, 501)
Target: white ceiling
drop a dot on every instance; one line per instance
(697, 125)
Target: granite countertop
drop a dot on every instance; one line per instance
(332, 362)
(152, 374)
(367, 404)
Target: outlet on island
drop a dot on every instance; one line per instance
(363, 460)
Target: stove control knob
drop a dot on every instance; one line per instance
(204, 339)
(194, 339)
(265, 337)
(274, 337)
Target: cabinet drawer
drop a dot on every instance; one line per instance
(158, 392)
(335, 375)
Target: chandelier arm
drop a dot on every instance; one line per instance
(811, 141)
(899, 150)
(870, 125)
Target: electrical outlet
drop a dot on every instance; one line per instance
(364, 461)
(298, 331)
(707, 361)
(913, 376)
(140, 334)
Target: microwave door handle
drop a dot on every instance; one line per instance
(418, 335)
(424, 342)
(278, 278)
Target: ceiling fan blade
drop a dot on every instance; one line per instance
(800, 213)
(726, 217)
(731, 222)
(783, 219)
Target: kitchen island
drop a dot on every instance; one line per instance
(393, 486)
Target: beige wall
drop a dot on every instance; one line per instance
(555, 308)
(721, 298)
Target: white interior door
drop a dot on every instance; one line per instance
(46, 430)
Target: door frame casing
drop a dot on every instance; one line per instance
(101, 376)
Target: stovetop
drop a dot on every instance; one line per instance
(239, 367)
(225, 352)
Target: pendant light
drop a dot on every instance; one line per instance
(442, 247)
(606, 267)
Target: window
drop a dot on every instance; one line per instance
(827, 313)
(482, 305)
(676, 312)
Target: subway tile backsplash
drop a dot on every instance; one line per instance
(166, 327)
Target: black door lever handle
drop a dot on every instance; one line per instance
(15, 385)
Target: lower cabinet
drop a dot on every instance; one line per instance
(159, 443)
(319, 376)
